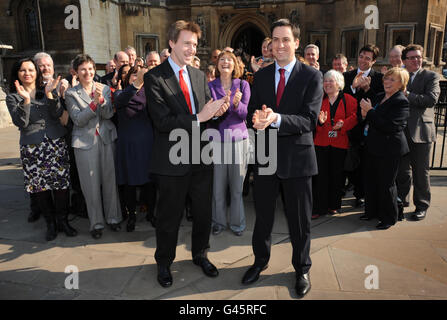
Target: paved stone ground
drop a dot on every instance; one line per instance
(411, 257)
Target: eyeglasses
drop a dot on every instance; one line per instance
(414, 58)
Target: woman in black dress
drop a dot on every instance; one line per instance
(386, 119)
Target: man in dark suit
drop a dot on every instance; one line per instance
(422, 92)
(363, 83)
(286, 97)
(120, 58)
(178, 98)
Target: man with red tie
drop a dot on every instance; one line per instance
(178, 97)
(286, 97)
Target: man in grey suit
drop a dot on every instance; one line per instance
(422, 92)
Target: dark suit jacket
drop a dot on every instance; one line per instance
(386, 126)
(39, 118)
(299, 108)
(424, 94)
(107, 79)
(168, 111)
(356, 134)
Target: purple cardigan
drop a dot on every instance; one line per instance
(234, 118)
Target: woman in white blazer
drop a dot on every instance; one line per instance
(90, 108)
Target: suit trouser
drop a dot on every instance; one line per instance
(381, 191)
(230, 173)
(328, 186)
(298, 210)
(172, 190)
(96, 169)
(415, 167)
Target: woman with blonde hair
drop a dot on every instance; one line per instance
(386, 119)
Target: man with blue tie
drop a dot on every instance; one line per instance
(178, 97)
(286, 97)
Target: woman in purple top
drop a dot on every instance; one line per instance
(233, 144)
(134, 145)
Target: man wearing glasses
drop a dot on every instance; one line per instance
(422, 92)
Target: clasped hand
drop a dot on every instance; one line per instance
(366, 106)
(263, 118)
(214, 108)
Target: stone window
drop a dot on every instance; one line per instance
(28, 24)
(352, 40)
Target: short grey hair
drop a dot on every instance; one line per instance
(130, 48)
(151, 53)
(313, 46)
(40, 55)
(337, 76)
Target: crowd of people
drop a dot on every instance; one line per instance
(105, 140)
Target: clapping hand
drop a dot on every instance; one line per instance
(22, 92)
(224, 106)
(63, 88)
(357, 80)
(237, 98)
(365, 83)
(51, 85)
(263, 118)
(211, 109)
(139, 82)
(338, 125)
(322, 117)
(98, 98)
(366, 106)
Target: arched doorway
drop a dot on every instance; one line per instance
(249, 39)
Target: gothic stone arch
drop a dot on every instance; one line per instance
(235, 23)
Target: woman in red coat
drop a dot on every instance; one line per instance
(336, 118)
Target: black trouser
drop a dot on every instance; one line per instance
(34, 204)
(358, 175)
(381, 191)
(198, 185)
(298, 210)
(328, 186)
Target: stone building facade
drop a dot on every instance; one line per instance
(105, 26)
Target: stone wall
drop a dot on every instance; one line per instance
(100, 24)
(5, 118)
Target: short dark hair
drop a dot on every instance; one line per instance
(15, 74)
(286, 23)
(370, 48)
(120, 74)
(179, 25)
(411, 47)
(82, 58)
(131, 71)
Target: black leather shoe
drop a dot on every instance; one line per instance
(33, 216)
(383, 226)
(252, 274)
(130, 227)
(365, 217)
(302, 285)
(96, 233)
(164, 276)
(359, 202)
(419, 215)
(207, 267)
(64, 226)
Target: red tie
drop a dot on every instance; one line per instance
(281, 86)
(185, 90)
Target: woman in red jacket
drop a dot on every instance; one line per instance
(336, 118)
